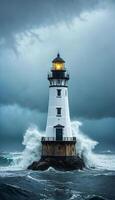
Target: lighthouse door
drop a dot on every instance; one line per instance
(59, 133)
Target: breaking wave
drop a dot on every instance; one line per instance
(85, 145)
(32, 151)
(32, 145)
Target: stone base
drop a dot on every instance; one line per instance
(58, 163)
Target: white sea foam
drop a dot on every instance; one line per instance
(32, 151)
(104, 161)
(84, 145)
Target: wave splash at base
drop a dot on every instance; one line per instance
(84, 148)
(32, 151)
(85, 145)
(32, 145)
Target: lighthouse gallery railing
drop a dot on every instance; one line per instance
(54, 139)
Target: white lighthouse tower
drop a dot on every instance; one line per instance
(59, 141)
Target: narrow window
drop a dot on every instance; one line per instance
(58, 92)
(58, 111)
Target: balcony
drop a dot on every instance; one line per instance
(53, 139)
(58, 75)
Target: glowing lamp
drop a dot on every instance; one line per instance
(58, 66)
(58, 63)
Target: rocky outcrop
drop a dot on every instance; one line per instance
(65, 164)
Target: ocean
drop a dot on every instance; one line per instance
(95, 182)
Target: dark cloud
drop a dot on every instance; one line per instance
(22, 16)
(92, 69)
(94, 90)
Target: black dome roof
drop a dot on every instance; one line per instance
(58, 59)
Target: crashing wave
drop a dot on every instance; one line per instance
(32, 151)
(32, 143)
(84, 145)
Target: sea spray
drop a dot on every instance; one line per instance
(32, 151)
(32, 143)
(84, 145)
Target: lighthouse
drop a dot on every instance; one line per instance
(59, 142)
(58, 146)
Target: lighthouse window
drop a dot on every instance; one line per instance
(58, 111)
(58, 92)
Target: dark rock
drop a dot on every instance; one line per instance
(96, 198)
(65, 163)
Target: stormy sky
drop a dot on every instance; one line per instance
(31, 34)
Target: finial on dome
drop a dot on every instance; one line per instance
(58, 59)
(58, 55)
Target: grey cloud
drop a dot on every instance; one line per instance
(14, 121)
(102, 130)
(92, 67)
(21, 16)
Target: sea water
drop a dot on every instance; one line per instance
(97, 181)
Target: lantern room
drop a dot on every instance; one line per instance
(58, 63)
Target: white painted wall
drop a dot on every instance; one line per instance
(52, 119)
